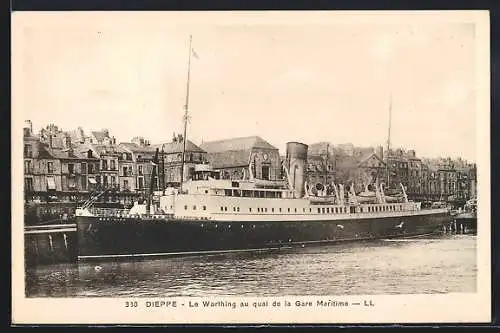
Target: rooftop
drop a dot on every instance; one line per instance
(234, 144)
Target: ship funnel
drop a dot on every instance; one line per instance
(296, 160)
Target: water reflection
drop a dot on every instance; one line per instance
(430, 265)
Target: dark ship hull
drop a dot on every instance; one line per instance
(112, 238)
(465, 223)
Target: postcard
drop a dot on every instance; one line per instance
(250, 167)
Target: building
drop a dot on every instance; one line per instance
(244, 157)
(397, 164)
(320, 164)
(171, 152)
(362, 171)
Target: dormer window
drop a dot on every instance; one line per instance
(89, 153)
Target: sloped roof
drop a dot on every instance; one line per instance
(135, 148)
(82, 149)
(229, 159)
(46, 152)
(100, 135)
(177, 147)
(366, 157)
(242, 143)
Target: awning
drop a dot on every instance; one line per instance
(51, 184)
(92, 180)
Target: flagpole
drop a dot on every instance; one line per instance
(186, 108)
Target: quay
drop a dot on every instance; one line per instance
(50, 244)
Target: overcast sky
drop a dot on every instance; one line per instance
(284, 81)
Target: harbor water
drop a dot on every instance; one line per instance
(438, 264)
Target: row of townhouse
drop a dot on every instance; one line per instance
(61, 170)
(70, 166)
(424, 179)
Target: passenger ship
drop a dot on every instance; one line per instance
(211, 215)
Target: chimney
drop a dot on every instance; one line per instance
(67, 142)
(50, 141)
(28, 126)
(113, 141)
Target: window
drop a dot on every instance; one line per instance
(28, 184)
(289, 210)
(28, 152)
(265, 172)
(113, 181)
(90, 168)
(194, 207)
(104, 165)
(125, 185)
(84, 168)
(71, 168)
(50, 167)
(27, 166)
(125, 171)
(250, 210)
(204, 207)
(225, 209)
(272, 210)
(84, 183)
(112, 163)
(141, 183)
(185, 207)
(89, 153)
(319, 210)
(221, 208)
(139, 170)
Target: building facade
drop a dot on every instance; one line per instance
(243, 158)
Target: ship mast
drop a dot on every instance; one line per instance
(186, 109)
(389, 143)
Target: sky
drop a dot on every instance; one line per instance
(284, 80)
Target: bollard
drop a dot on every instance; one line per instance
(65, 241)
(50, 244)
